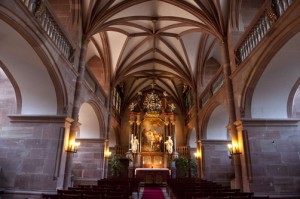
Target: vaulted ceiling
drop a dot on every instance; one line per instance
(165, 42)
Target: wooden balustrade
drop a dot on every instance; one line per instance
(183, 151)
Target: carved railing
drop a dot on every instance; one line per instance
(44, 16)
(94, 87)
(267, 17)
(183, 151)
(211, 89)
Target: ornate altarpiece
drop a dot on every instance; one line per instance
(152, 124)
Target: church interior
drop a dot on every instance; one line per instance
(92, 90)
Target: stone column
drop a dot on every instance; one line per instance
(62, 163)
(245, 155)
(75, 111)
(199, 159)
(237, 182)
(105, 158)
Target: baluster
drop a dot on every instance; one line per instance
(252, 39)
(267, 23)
(63, 47)
(245, 49)
(26, 2)
(51, 30)
(258, 38)
(47, 23)
(60, 42)
(277, 8)
(248, 47)
(242, 52)
(43, 19)
(261, 29)
(257, 33)
(50, 26)
(55, 36)
(31, 5)
(289, 2)
(66, 48)
(63, 44)
(67, 52)
(284, 5)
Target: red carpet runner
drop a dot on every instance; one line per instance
(153, 193)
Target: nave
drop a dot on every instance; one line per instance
(94, 89)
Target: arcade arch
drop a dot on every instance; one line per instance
(272, 91)
(216, 125)
(92, 125)
(39, 88)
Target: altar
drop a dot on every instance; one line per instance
(153, 175)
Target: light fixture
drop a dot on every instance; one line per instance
(197, 155)
(73, 146)
(233, 149)
(107, 153)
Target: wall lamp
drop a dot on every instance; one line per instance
(107, 154)
(197, 155)
(73, 146)
(233, 149)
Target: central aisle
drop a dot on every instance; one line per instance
(153, 193)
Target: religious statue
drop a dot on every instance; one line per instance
(172, 107)
(169, 145)
(132, 106)
(134, 144)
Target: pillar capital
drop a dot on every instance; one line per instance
(239, 125)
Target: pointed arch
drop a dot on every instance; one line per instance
(267, 91)
(47, 94)
(215, 123)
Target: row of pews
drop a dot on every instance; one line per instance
(112, 188)
(196, 188)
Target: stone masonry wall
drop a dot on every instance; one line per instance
(88, 162)
(216, 164)
(275, 160)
